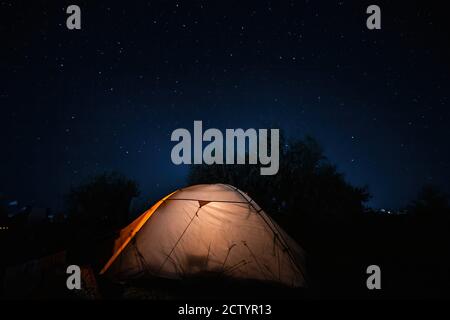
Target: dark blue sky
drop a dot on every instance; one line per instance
(107, 97)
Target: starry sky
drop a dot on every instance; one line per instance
(108, 96)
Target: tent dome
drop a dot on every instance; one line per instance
(207, 230)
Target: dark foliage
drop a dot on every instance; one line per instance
(430, 202)
(97, 209)
(104, 200)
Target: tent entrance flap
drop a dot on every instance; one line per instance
(128, 233)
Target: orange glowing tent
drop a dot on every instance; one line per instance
(207, 230)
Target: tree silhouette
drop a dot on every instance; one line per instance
(104, 200)
(430, 202)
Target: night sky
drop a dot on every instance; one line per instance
(108, 96)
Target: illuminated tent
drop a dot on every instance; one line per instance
(207, 230)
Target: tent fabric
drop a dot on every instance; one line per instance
(207, 230)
